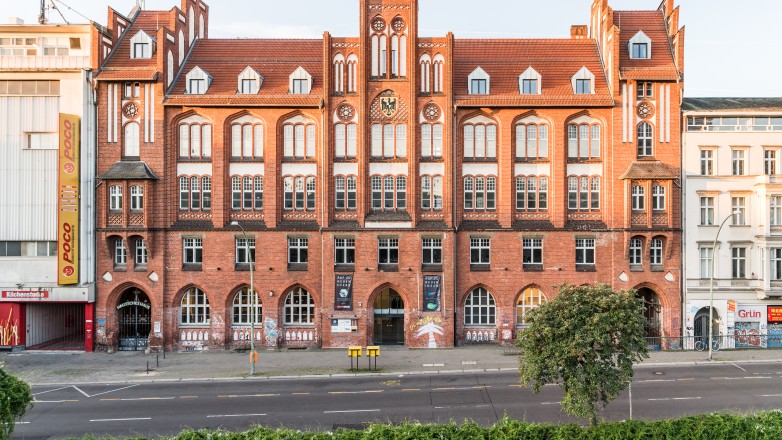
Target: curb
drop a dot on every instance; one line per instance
(384, 374)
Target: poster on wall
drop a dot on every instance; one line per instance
(341, 326)
(68, 201)
(431, 293)
(774, 331)
(750, 325)
(343, 292)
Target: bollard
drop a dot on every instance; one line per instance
(164, 352)
(373, 352)
(354, 352)
(157, 360)
(147, 366)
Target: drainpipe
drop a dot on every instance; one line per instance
(455, 227)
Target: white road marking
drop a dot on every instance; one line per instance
(49, 391)
(551, 403)
(77, 389)
(147, 398)
(352, 411)
(461, 406)
(737, 367)
(768, 395)
(237, 415)
(26, 423)
(118, 389)
(355, 392)
(675, 398)
(121, 420)
(248, 395)
(655, 380)
(54, 401)
(469, 362)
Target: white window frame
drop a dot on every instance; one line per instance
(120, 253)
(480, 308)
(192, 250)
(585, 251)
(656, 252)
(115, 198)
(707, 207)
(480, 250)
(738, 162)
(739, 256)
(136, 198)
(707, 162)
(526, 303)
(242, 308)
(577, 83)
(344, 250)
(194, 309)
(532, 251)
(142, 46)
(636, 251)
(197, 81)
(249, 82)
(739, 208)
(639, 38)
(241, 250)
(658, 198)
(388, 251)
(300, 82)
(775, 210)
(477, 78)
(299, 308)
(298, 250)
(141, 255)
(432, 250)
(530, 76)
(705, 256)
(639, 197)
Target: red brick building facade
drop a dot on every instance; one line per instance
(393, 188)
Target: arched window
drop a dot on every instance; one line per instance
(339, 74)
(438, 76)
(194, 309)
(243, 308)
(201, 26)
(425, 63)
(170, 75)
(531, 141)
(298, 138)
(529, 299)
(191, 25)
(480, 138)
(636, 251)
(583, 141)
(132, 140)
(644, 139)
(247, 138)
(299, 308)
(195, 138)
(352, 72)
(479, 308)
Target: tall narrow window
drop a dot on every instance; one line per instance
(638, 198)
(738, 162)
(775, 208)
(431, 140)
(115, 198)
(120, 254)
(706, 257)
(480, 141)
(184, 193)
(345, 141)
(584, 142)
(426, 192)
(132, 140)
(644, 139)
(769, 162)
(707, 162)
(141, 252)
(299, 141)
(739, 262)
(258, 195)
(658, 198)
(656, 252)
(636, 251)
(531, 142)
(136, 198)
(739, 205)
(707, 211)
(339, 191)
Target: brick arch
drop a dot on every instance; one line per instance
(184, 115)
(112, 300)
(597, 117)
(516, 298)
(177, 299)
(316, 297)
(659, 291)
(548, 120)
(240, 114)
(464, 295)
(476, 113)
(387, 284)
(229, 299)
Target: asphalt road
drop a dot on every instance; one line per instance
(325, 403)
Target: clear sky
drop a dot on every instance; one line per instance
(730, 47)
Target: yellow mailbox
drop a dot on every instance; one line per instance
(373, 352)
(354, 352)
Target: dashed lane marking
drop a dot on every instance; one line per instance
(674, 398)
(188, 397)
(410, 389)
(121, 420)
(227, 396)
(351, 411)
(54, 401)
(551, 403)
(356, 392)
(236, 415)
(300, 394)
(461, 406)
(768, 395)
(147, 398)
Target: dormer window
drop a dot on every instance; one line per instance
(300, 82)
(198, 81)
(529, 82)
(583, 82)
(249, 82)
(142, 46)
(640, 47)
(478, 82)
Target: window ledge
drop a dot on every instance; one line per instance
(385, 267)
(431, 268)
(480, 267)
(140, 268)
(191, 267)
(585, 268)
(533, 267)
(636, 268)
(297, 267)
(243, 267)
(115, 211)
(299, 160)
(479, 159)
(247, 159)
(536, 160)
(197, 160)
(656, 268)
(120, 268)
(344, 267)
(136, 211)
(294, 325)
(201, 325)
(740, 226)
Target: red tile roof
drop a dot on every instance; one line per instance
(661, 66)
(120, 66)
(556, 60)
(129, 74)
(647, 170)
(275, 60)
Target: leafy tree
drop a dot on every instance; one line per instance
(15, 397)
(586, 340)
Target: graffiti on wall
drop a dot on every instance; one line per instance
(9, 330)
(270, 329)
(428, 326)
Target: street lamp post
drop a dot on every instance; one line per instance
(711, 280)
(252, 294)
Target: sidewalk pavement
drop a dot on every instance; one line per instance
(78, 367)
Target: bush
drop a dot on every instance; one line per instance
(15, 398)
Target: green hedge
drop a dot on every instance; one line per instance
(707, 427)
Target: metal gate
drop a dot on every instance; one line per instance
(133, 315)
(54, 326)
(702, 325)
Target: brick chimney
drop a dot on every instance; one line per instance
(578, 31)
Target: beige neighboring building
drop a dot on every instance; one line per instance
(47, 70)
(732, 149)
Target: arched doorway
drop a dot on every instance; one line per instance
(389, 310)
(134, 317)
(652, 313)
(702, 324)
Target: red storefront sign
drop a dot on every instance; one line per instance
(24, 294)
(774, 314)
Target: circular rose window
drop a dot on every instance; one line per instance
(645, 110)
(398, 24)
(431, 111)
(130, 110)
(378, 24)
(345, 112)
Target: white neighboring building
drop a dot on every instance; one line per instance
(45, 70)
(732, 148)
